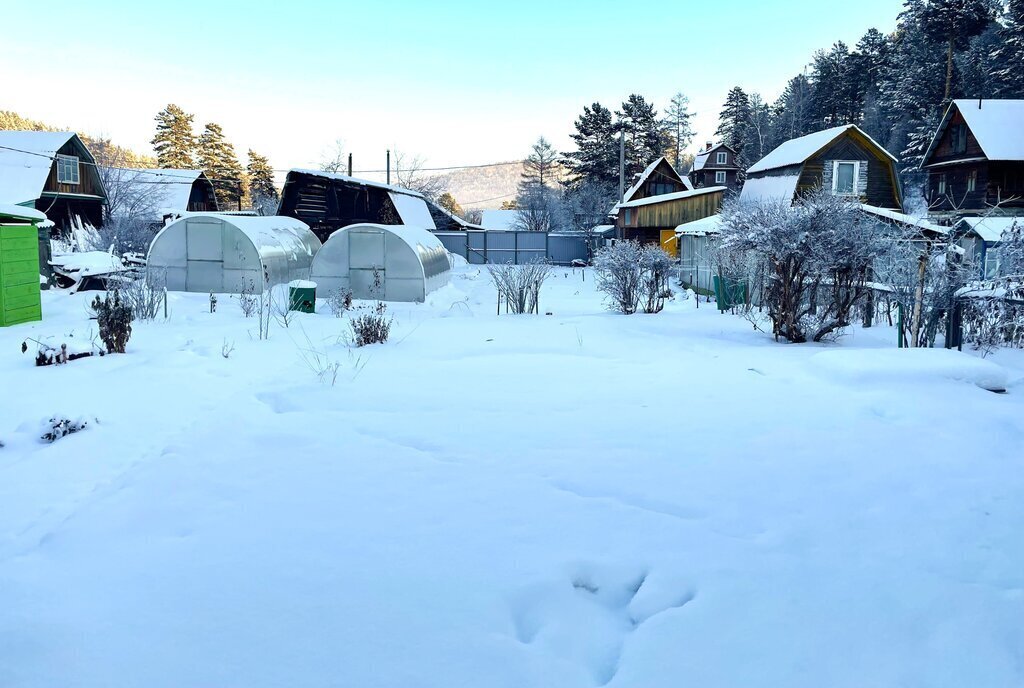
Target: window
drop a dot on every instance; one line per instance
(960, 138)
(942, 184)
(720, 177)
(722, 158)
(629, 216)
(972, 180)
(844, 177)
(67, 169)
(991, 262)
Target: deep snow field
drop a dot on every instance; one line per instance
(574, 499)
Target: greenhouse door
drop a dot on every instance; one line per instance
(366, 264)
(204, 250)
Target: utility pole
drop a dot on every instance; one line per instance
(389, 166)
(622, 166)
(350, 164)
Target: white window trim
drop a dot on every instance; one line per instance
(720, 177)
(721, 158)
(835, 176)
(78, 170)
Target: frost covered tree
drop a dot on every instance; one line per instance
(409, 174)
(632, 276)
(757, 137)
(218, 159)
(793, 111)
(174, 142)
(952, 23)
(810, 261)
(262, 190)
(1009, 54)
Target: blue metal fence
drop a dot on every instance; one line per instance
(518, 247)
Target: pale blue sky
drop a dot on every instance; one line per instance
(456, 82)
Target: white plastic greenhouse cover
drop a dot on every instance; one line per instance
(389, 262)
(213, 252)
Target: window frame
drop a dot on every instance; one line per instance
(972, 181)
(67, 160)
(942, 185)
(836, 164)
(960, 138)
(722, 158)
(721, 177)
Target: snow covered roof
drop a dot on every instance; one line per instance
(645, 175)
(904, 219)
(88, 263)
(772, 188)
(20, 212)
(712, 224)
(26, 158)
(990, 229)
(174, 186)
(699, 161)
(996, 124)
(797, 151)
(499, 219)
(356, 180)
(663, 198)
(413, 210)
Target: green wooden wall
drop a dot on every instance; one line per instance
(19, 274)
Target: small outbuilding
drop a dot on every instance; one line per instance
(388, 262)
(19, 264)
(220, 253)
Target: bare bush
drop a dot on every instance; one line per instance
(145, 296)
(114, 318)
(519, 285)
(247, 299)
(373, 327)
(59, 427)
(632, 275)
(339, 301)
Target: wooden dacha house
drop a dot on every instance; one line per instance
(716, 165)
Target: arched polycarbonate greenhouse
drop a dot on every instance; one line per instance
(389, 262)
(218, 253)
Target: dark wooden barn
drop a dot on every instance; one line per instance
(975, 161)
(654, 219)
(843, 160)
(53, 171)
(327, 202)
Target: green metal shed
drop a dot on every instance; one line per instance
(20, 299)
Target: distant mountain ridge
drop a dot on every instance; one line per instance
(483, 188)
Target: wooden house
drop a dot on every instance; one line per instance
(843, 160)
(654, 219)
(980, 237)
(327, 202)
(658, 179)
(54, 173)
(975, 161)
(159, 193)
(716, 166)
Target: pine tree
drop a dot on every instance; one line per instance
(596, 158)
(757, 138)
(645, 136)
(678, 122)
(262, 191)
(541, 165)
(953, 23)
(793, 111)
(217, 158)
(174, 142)
(733, 121)
(1008, 72)
(448, 202)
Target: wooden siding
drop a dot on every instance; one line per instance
(998, 183)
(663, 180)
(202, 197)
(879, 187)
(647, 221)
(88, 176)
(945, 148)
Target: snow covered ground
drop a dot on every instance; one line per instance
(574, 499)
